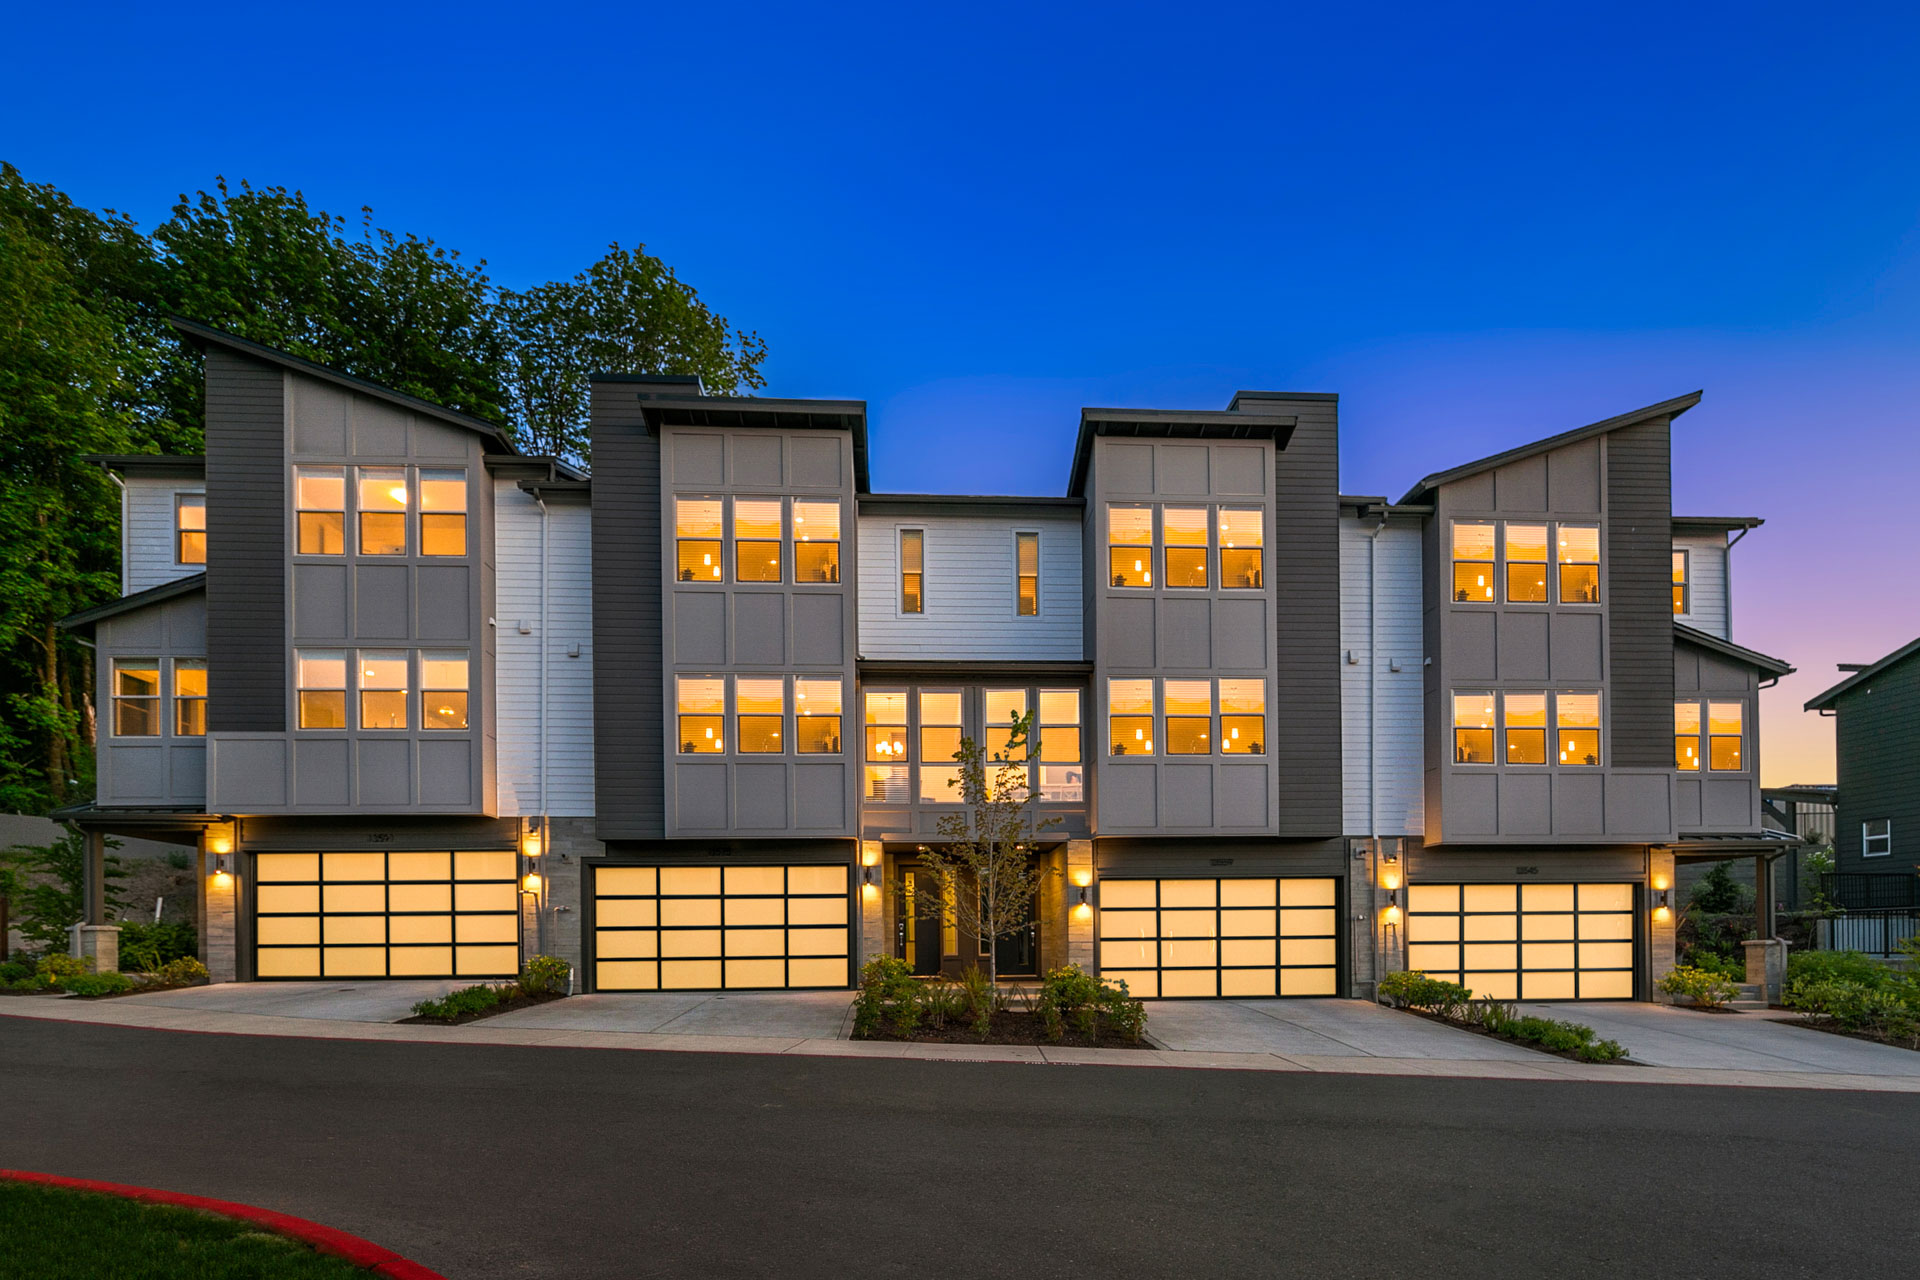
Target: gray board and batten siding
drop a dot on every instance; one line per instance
(1719, 800)
(164, 769)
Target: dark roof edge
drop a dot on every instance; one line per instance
(1326, 397)
(535, 466)
(1716, 524)
(1368, 504)
(967, 504)
(558, 489)
(138, 600)
(273, 355)
(158, 465)
(967, 668)
(1729, 649)
(1822, 701)
(1666, 408)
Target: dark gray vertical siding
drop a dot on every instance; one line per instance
(246, 545)
(1639, 598)
(1877, 749)
(1306, 582)
(1434, 728)
(628, 765)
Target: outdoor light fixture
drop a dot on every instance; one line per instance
(532, 882)
(1393, 904)
(869, 876)
(1662, 901)
(220, 844)
(222, 874)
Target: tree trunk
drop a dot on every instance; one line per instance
(56, 735)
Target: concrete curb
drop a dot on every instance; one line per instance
(323, 1239)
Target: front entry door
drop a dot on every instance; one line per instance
(919, 929)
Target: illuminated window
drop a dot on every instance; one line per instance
(1686, 736)
(913, 570)
(701, 704)
(1062, 771)
(190, 528)
(1243, 532)
(383, 511)
(1527, 564)
(383, 688)
(816, 708)
(1188, 705)
(816, 541)
(136, 698)
(1724, 737)
(1579, 723)
(1680, 602)
(1473, 562)
(1473, 719)
(1184, 529)
(886, 755)
(1876, 837)
(320, 500)
(756, 539)
(1130, 546)
(696, 531)
(321, 679)
(1004, 706)
(1026, 568)
(1243, 717)
(1130, 717)
(443, 688)
(190, 697)
(1579, 548)
(1526, 715)
(940, 733)
(760, 706)
(443, 512)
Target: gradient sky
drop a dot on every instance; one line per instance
(1480, 225)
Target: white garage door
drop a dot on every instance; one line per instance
(704, 928)
(1525, 941)
(1169, 938)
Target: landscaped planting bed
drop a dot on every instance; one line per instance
(1850, 994)
(545, 978)
(1071, 1008)
(1453, 1004)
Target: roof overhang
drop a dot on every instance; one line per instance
(151, 466)
(1016, 506)
(86, 618)
(971, 671)
(1824, 701)
(768, 414)
(1173, 424)
(1714, 524)
(1727, 649)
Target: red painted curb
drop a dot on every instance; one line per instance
(361, 1253)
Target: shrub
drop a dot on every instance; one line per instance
(1837, 966)
(96, 984)
(1854, 1006)
(57, 966)
(1415, 990)
(982, 999)
(144, 947)
(1706, 989)
(888, 999)
(1718, 893)
(180, 860)
(468, 1000)
(14, 971)
(545, 975)
(185, 971)
(1732, 968)
(1070, 996)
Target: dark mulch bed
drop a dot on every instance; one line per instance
(1868, 1036)
(1524, 1044)
(1703, 1008)
(518, 1000)
(1012, 1027)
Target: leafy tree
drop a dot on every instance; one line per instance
(1717, 892)
(987, 872)
(49, 897)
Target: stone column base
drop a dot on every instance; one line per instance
(1079, 918)
(1767, 966)
(99, 943)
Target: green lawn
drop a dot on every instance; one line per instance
(49, 1233)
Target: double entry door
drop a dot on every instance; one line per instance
(929, 936)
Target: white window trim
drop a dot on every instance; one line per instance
(1888, 837)
(1686, 581)
(1014, 537)
(900, 532)
(174, 551)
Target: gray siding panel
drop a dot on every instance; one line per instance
(1639, 598)
(1306, 598)
(628, 764)
(1877, 749)
(246, 545)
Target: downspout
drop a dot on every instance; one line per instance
(121, 485)
(1373, 735)
(1726, 575)
(546, 844)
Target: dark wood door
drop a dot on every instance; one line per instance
(918, 942)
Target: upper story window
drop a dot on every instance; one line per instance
(1473, 727)
(1579, 548)
(1527, 563)
(1686, 736)
(1130, 717)
(886, 753)
(382, 494)
(816, 706)
(940, 733)
(1189, 710)
(190, 528)
(383, 688)
(701, 703)
(1184, 530)
(443, 688)
(1876, 837)
(756, 539)
(816, 541)
(1680, 602)
(913, 570)
(1483, 548)
(190, 697)
(1521, 722)
(1004, 706)
(760, 712)
(1130, 545)
(1527, 718)
(136, 698)
(443, 512)
(1186, 545)
(1187, 717)
(1026, 569)
(320, 503)
(1243, 533)
(1472, 562)
(1578, 718)
(1243, 717)
(696, 528)
(321, 680)
(1062, 769)
(1724, 749)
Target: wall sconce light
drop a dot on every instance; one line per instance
(1393, 903)
(869, 876)
(220, 844)
(222, 870)
(1083, 896)
(1662, 901)
(531, 883)
(530, 843)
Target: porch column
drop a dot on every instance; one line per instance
(873, 923)
(1664, 922)
(93, 938)
(219, 903)
(1079, 919)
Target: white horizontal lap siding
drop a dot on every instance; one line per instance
(148, 534)
(517, 656)
(1397, 765)
(970, 591)
(1707, 583)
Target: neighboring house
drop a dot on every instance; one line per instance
(1876, 712)
(430, 706)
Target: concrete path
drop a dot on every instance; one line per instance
(1322, 1028)
(806, 1015)
(1664, 1036)
(344, 1000)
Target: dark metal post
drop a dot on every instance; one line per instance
(94, 878)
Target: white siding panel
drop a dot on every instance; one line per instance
(517, 663)
(970, 591)
(1707, 585)
(1396, 764)
(147, 533)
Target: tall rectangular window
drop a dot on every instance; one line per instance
(760, 712)
(696, 532)
(136, 698)
(383, 688)
(1243, 717)
(383, 511)
(443, 688)
(1579, 548)
(1004, 706)
(443, 512)
(1243, 532)
(320, 501)
(701, 705)
(1526, 715)
(190, 697)
(913, 570)
(1130, 717)
(1686, 736)
(886, 753)
(190, 528)
(1184, 530)
(1188, 706)
(816, 710)
(756, 539)
(1026, 568)
(1680, 602)
(1130, 546)
(1527, 564)
(816, 541)
(321, 683)
(940, 733)
(1876, 837)
(1062, 768)
(1578, 719)
(1473, 562)
(1473, 724)
(1725, 737)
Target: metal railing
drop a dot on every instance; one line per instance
(1877, 932)
(1870, 890)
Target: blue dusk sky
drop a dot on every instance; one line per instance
(1480, 225)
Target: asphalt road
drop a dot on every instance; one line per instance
(506, 1162)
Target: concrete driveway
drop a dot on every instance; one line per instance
(341, 1000)
(1663, 1036)
(1317, 1028)
(806, 1015)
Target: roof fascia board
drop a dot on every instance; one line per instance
(1822, 701)
(1727, 648)
(138, 600)
(157, 466)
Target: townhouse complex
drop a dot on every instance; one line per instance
(427, 706)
